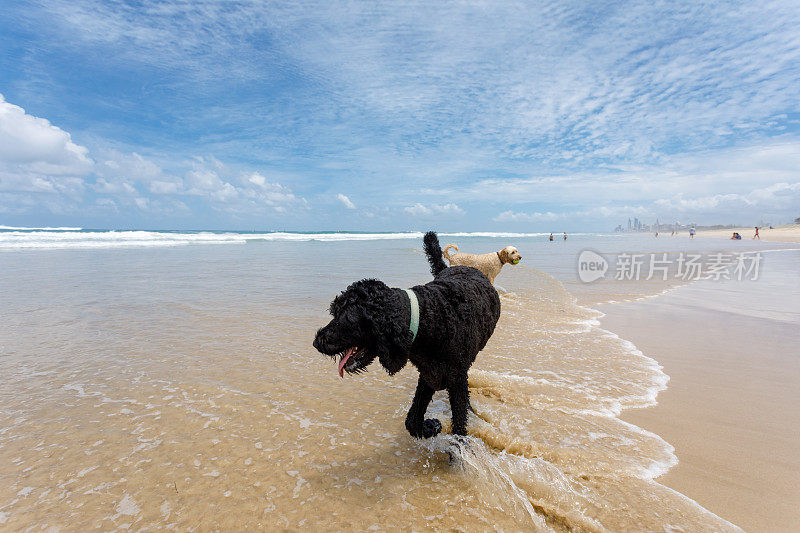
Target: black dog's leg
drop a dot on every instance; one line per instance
(415, 420)
(459, 404)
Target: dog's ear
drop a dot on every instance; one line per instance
(388, 323)
(394, 340)
(504, 255)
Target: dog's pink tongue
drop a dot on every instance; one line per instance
(347, 355)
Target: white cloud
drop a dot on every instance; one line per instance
(451, 209)
(203, 180)
(224, 188)
(131, 173)
(113, 164)
(38, 158)
(512, 216)
(103, 186)
(16, 203)
(615, 211)
(419, 210)
(165, 187)
(345, 201)
(257, 179)
(734, 183)
(30, 144)
(107, 203)
(583, 215)
(778, 196)
(233, 191)
(272, 193)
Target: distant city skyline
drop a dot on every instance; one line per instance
(370, 117)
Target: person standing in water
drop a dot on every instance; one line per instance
(565, 235)
(551, 237)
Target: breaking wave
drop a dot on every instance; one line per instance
(59, 238)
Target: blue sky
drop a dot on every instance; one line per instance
(365, 116)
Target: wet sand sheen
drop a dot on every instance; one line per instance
(731, 406)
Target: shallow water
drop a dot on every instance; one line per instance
(176, 387)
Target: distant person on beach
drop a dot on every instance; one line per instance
(565, 236)
(551, 236)
(736, 237)
(757, 236)
(673, 232)
(691, 233)
(656, 233)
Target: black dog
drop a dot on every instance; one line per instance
(458, 312)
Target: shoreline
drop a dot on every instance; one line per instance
(786, 233)
(728, 409)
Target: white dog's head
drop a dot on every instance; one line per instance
(509, 254)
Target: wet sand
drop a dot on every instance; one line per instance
(731, 406)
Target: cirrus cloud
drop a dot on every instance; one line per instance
(526, 110)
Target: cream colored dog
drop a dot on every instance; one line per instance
(489, 264)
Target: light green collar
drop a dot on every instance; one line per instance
(414, 325)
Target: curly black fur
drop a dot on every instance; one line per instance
(459, 310)
(434, 252)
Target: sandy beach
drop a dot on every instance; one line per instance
(730, 408)
(152, 384)
(787, 233)
(154, 387)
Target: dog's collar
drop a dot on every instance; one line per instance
(413, 326)
(500, 258)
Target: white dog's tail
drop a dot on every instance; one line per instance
(444, 252)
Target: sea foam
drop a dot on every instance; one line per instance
(44, 238)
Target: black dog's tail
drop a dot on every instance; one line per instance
(434, 252)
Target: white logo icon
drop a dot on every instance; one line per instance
(591, 266)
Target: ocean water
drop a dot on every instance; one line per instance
(167, 380)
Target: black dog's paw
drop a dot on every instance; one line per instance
(415, 428)
(431, 427)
